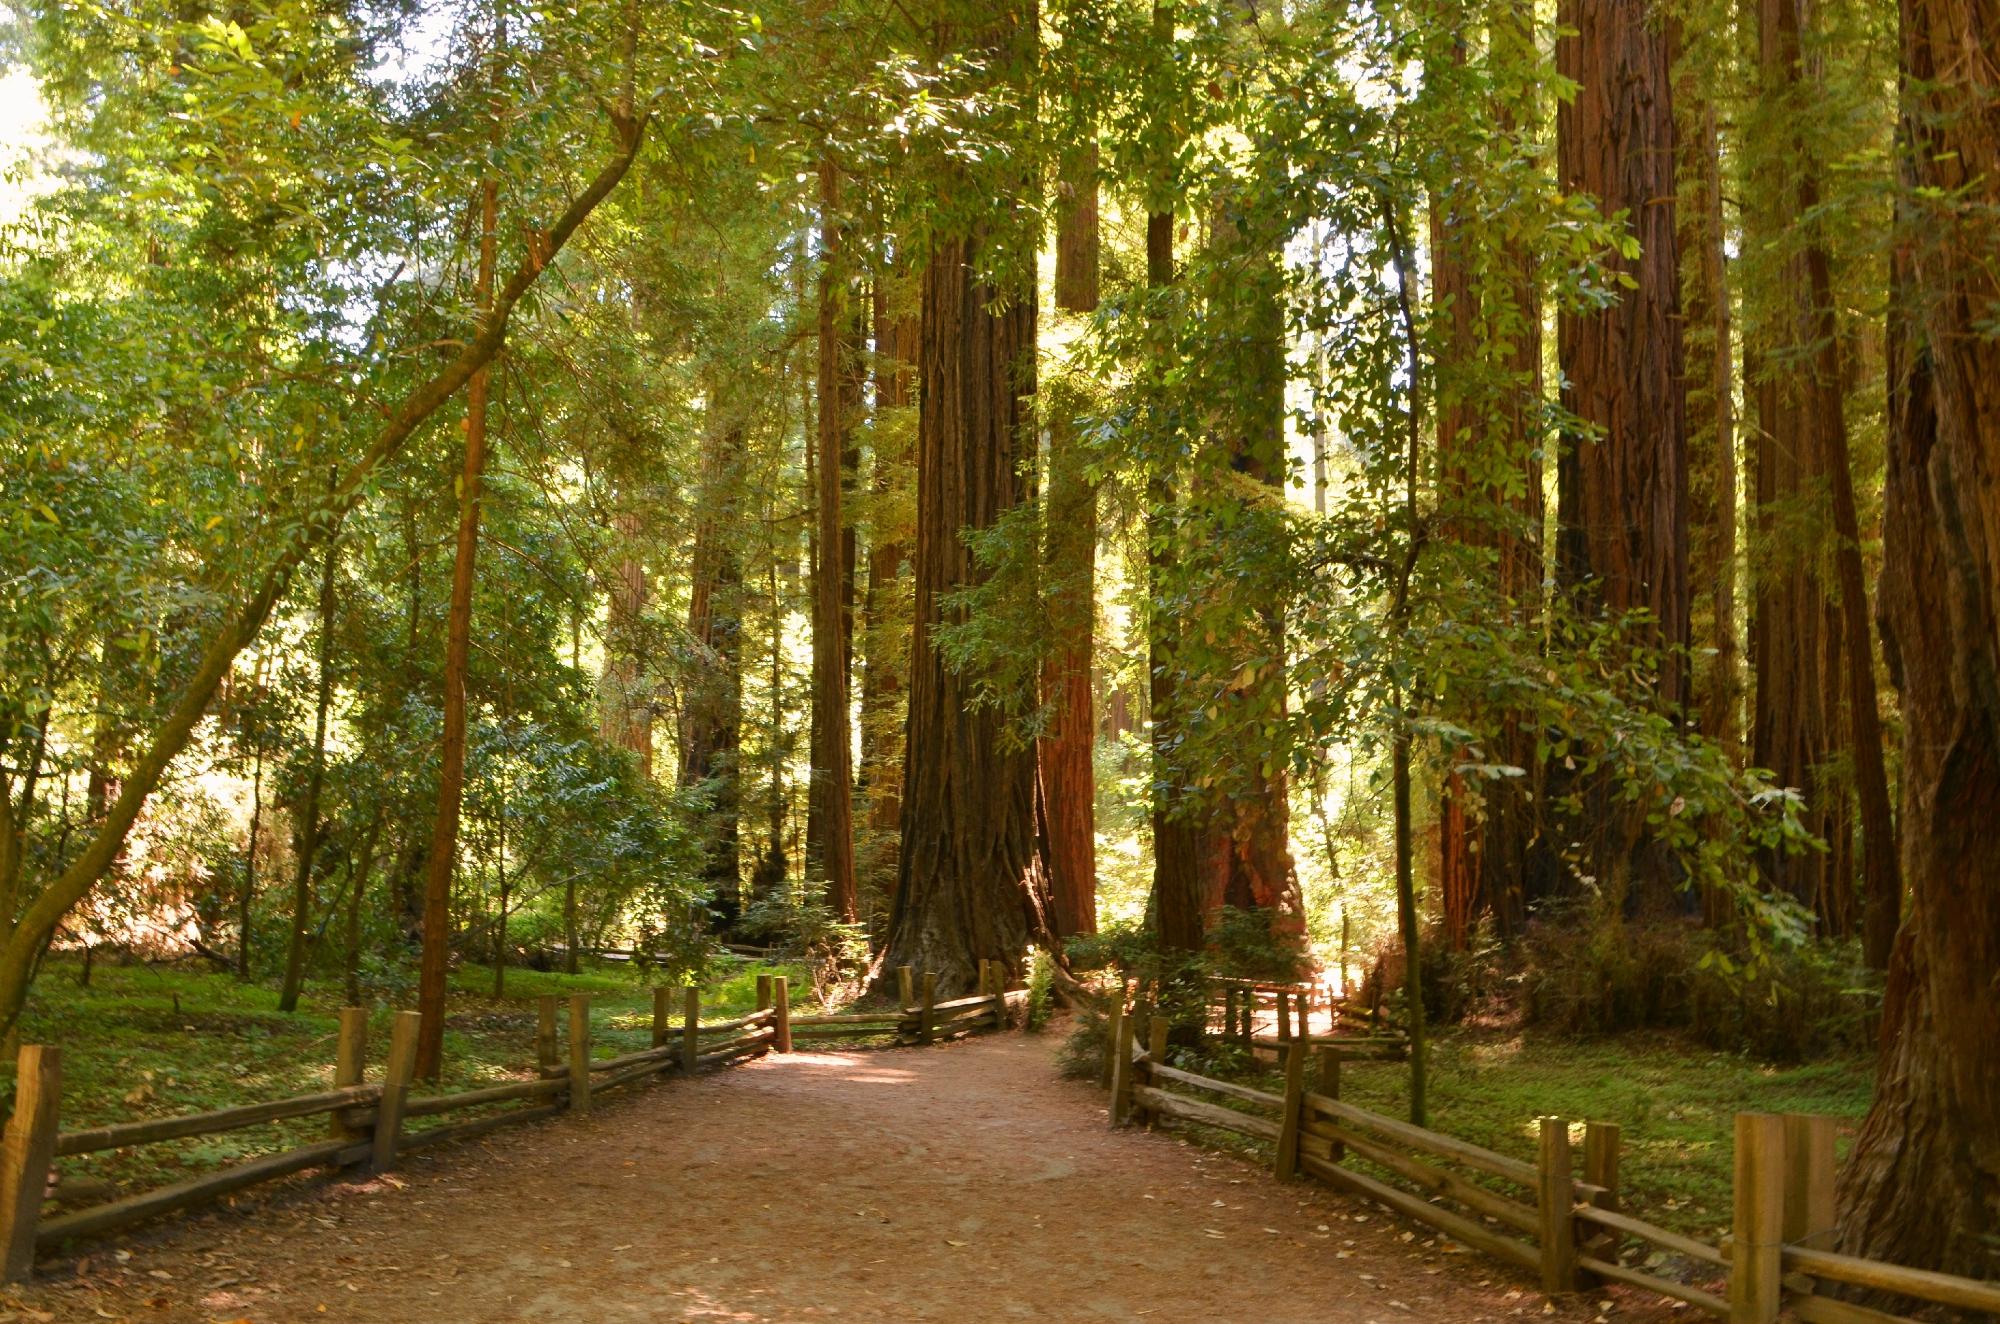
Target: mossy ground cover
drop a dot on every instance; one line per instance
(157, 1041)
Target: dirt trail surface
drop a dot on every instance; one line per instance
(963, 1182)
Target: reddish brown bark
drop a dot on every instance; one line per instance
(712, 717)
(1064, 754)
(831, 824)
(625, 711)
(884, 607)
(443, 859)
(1922, 1186)
(1622, 544)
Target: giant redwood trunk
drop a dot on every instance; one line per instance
(1064, 753)
(885, 602)
(1622, 544)
(1922, 1185)
(712, 718)
(839, 392)
(968, 882)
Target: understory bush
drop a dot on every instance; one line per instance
(1587, 977)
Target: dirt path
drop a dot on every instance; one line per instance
(963, 1182)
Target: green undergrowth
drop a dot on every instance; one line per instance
(151, 1041)
(1675, 1104)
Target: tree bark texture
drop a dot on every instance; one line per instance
(1922, 1184)
(1622, 544)
(713, 715)
(969, 879)
(1068, 779)
(839, 392)
(436, 953)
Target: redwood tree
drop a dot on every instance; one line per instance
(1068, 781)
(1922, 1185)
(1622, 541)
(968, 884)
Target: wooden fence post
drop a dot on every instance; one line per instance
(663, 1016)
(26, 1154)
(906, 987)
(999, 996)
(545, 1034)
(781, 1023)
(1113, 1027)
(350, 1063)
(1228, 1012)
(763, 992)
(579, 1052)
(1600, 1168)
(1284, 1017)
(1557, 1201)
(1157, 1027)
(1758, 1227)
(396, 1077)
(690, 1027)
(1329, 1085)
(1809, 1172)
(1121, 1072)
(1289, 1121)
(927, 1026)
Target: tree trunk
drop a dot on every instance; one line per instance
(713, 717)
(885, 609)
(1068, 779)
(436, 958)
(625, 715)
(839, 391)
(357, 891)
(1622, 545)
(249, 893)
(967, 880)
(1922, 1185)
(309, 825)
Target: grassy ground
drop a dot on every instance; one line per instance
(1675, 1105)
(145, 1041)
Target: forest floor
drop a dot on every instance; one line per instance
(965, 1181)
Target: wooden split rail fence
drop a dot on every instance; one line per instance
(918, 1017)
(1243, 1003)
(369, 1123)
(1546, 1217)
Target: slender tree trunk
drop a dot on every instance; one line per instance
(625, 716)
(710, 755)
(1068, 779)
(1623, 541)
(500, 916)
(443, 859)
(249, 894)
(832, 786)
(1922, 1184)
(1178, 905)
(309, 826)
(885, 609)
(357, 891)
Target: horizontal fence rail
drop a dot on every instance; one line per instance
(1543, 1217)
(369, 1123)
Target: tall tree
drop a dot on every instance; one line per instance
(1922, 1185)
(830, 822)
(1068, 781)
(969, 880)
(713, 717)
(1622, 487)
(309, 818)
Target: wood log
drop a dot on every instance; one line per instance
(156, 1129)
(690, 1027)
(1812, 1309)
(1435, 1180)
(1456, 1226)
(762, 1017)
(666, 1054)
(1430, 1142)
(1613, 1272)
(1658, 1236)
(663, 1015)
(1556, 1196)
(396, 1077)
(195, 1190)
(888, 1018)
(27, 1153)
(1944, 1289)
(718, 1056)
(1207, 1114)
(439, 1135)
(1756, 1288)
(781, 1014)
(432, 1105)
(350, 1066)
(1213, 1086)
